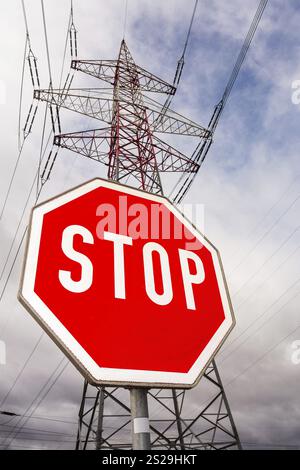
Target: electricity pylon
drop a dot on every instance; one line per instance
(135, 156)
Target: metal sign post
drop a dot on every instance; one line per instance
(140, 419)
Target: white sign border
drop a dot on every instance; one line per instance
(108, 376)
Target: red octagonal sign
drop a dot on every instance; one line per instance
(126, 286)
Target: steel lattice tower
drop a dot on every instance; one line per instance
(135, 156)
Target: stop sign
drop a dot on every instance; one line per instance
(126, 286)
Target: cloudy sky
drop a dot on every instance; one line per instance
(249, 186)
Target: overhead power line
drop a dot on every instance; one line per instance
(41, 158)
(179, 68)
(262, 356)
(21, 371)
(269, 277)
(21, 94)
(264, 323)
(34, 431)
(265, 234)
(274, 253)
(259, 358)
(125, 18)
(32, 112)
(180, 64)
(243, 52)
(68, 39)
(71, 21)
(46, 41)
(63, 420)
(37, 400)
(253, 230)
(203, 147)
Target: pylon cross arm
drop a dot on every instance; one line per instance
(82, 102)
(96, 143)
(171, 160)
(101, 107)
(106, 69)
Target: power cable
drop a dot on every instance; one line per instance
(30, 430)
(63, 363)
(178, 72)
(265, 234)
(125, 18)
(12, 266)
(43, 418)
(48, 385)
(203, 147)
(73, 34)
(66, 44)
(17, 230)
(24, 447)
(48, 439)
(21, 242)
(264, 323)
(41, 151)
(275, 252)
(241, 57)
(46, 41)
(261, 357)
(180, 63)
(11, 180)
(20, 146)
(21, 94)
(37, 174)
(272, 445)
(268, 278)
(266, 214)
(21, 371)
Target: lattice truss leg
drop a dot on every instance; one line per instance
(176, 422)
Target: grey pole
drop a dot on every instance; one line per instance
(140, 419)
